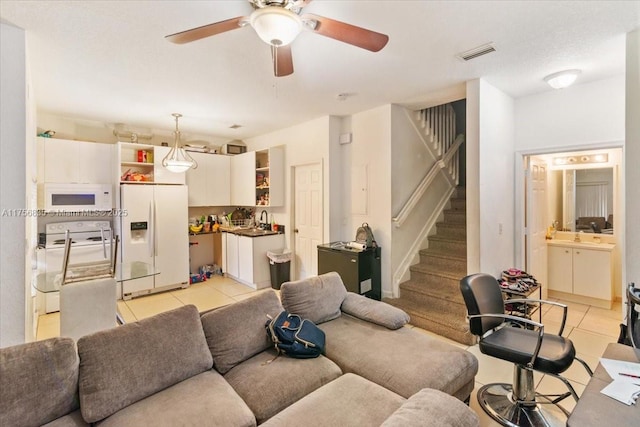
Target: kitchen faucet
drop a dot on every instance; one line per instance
(266, 217)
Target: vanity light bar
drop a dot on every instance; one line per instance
(574, 160)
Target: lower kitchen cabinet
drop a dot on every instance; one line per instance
(581, 272)
(245, 258)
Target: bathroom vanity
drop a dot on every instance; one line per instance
(581, 272)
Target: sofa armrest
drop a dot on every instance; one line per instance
(373, 311)
(433, 408)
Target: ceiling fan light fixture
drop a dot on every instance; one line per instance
(177, 159)
(276, 26)
(562, 79)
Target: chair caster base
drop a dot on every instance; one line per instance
(497, 401)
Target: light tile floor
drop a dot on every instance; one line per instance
(590, 328)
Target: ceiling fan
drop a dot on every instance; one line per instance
(278, 23)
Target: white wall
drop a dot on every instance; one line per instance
(583, 114)
(473, 176)
(371, 146)
(631, 272)
(496, 179)
(305, 143)
(13, 295)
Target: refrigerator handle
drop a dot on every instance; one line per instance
(150, 230)
(155, 229)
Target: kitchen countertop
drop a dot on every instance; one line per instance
(249, 232)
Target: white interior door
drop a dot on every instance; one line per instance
(536, 217)
(308, 219)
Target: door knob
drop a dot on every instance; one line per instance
(295, 231)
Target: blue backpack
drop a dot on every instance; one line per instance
(295, 337)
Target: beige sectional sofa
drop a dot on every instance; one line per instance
(220, 369)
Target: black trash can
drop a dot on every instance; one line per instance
(280, 267)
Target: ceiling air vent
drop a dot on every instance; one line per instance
(476, 52)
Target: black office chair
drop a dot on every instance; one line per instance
(633, 318)
(523, 342)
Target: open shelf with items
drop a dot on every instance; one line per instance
(136, 163)
(142, 164)
(262, 178)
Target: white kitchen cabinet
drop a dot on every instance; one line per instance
(582, 271)
(145, 162)
(231, 255)
(257, 178)
(210, 183)
(65, 161)
(243, 167)
(246, 258)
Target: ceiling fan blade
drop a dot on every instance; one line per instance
(348, 33)
(205, 31)
(282, 60)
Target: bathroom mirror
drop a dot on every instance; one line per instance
(584, 199)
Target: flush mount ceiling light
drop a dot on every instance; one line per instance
(276, 26)
(177, 159)
(562, 79)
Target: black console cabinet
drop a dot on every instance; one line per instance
(360, 270)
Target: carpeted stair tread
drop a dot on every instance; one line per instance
(444, 292)
(439, 322)
(435, 237)
(441, 271)
(439, 253)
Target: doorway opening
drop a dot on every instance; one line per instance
(567, 196)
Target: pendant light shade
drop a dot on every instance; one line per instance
(177, 159)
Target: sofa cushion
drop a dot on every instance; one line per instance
(269, 384)
(316, 298)
(404, 361)
(123, 365)
(73, 419)
(347, 401)
(236, 332)
(38, 382)
(433, 408)
(205, 399)
(374, 311)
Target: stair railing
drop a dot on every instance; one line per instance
(449, 161)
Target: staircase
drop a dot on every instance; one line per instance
(432, 296)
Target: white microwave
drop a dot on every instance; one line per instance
(78, 197)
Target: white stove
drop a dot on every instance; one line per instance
(91, 241)
(82, 233)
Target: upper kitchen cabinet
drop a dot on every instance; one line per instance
(243, 167)
(210, 183)
(257, 178)
(142, 163)
(65, 161)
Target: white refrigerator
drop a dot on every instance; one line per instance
(154, 230)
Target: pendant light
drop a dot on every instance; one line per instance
(178, 160)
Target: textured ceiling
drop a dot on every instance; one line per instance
(108, 60)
